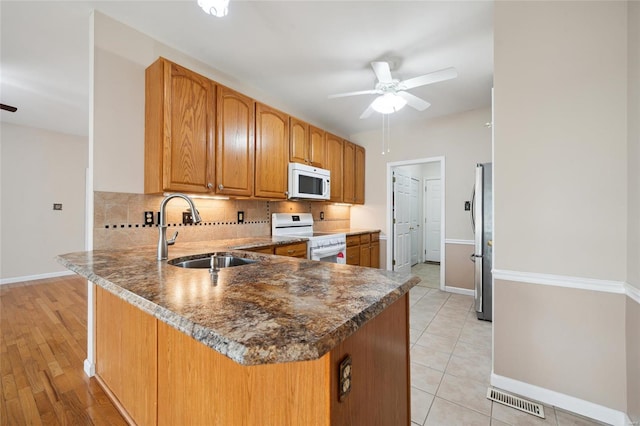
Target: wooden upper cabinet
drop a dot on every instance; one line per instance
(353, 173)
(299, 141)
(179, 129)
(317, 147)
(334, 164)
(307, 144)
(272, 152)
(359, 174)
(348, 172)
(234, 143)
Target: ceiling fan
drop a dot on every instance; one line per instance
(393, 93)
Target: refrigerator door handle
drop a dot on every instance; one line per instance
(478, 203)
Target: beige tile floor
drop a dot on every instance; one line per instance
(451, 363)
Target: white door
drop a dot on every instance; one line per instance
(433, 200)
(414, 226)
(401, 222)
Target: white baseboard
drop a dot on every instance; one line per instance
(459, 290)
(35, 277)
(560, 400)
(89, 368)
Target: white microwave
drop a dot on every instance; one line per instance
(307, 182)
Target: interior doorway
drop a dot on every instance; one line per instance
(416, 218)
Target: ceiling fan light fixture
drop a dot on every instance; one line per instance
(218, 8)
(388, 103)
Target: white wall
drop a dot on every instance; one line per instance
(462, 139)
(39, 168)
(562, 105)
(633, 215)
(561, 204)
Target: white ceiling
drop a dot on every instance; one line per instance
(298, 52)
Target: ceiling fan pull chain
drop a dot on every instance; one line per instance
(384, 132)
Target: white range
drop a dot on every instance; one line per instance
(322, 246)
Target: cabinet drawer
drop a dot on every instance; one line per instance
(364, 239)
(292, 250)
(353, 240)
(266, 250)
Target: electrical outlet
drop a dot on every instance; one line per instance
(148, 218)
(240, 217)
(344, 378)
(321, 215)
(187, 218)
(57, 206)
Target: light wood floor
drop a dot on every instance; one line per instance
(43, 340)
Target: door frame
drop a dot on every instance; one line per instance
(389, 210)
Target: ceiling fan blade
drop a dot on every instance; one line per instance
(433, 77)
(383, 72)
(8, 108)
(360, 92)
(414, 101)
(367, 112)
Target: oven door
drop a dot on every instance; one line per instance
(332, 254)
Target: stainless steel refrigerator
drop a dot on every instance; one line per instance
(482, 219)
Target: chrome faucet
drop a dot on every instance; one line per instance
(163, 243)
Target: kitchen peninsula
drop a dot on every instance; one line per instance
(282, 341)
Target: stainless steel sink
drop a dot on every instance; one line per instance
(213, 261)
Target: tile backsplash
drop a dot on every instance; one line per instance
(119, 218)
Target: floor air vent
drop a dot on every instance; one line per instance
(515, 402)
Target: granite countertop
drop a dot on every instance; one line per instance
(279, 309)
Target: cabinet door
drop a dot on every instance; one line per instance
(179, 129)
(272, 152)
(375, 254)
(348, 172)
(353, 255)
(359, 174)
(365, 255)
(126, 355)
(334, 164)
(298, 141)
(317, 147)
(234, 143)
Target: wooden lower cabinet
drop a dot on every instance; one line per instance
(126, 356)
(157, 375)
(364, 250)
(205, 387)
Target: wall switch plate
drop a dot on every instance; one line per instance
(57, 206)
(467, 205)
(344, 378)
(240, 217)
(148, 218)
(321, 215)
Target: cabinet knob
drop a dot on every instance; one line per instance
(210, 185)
(286, 193)
(220, 187)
